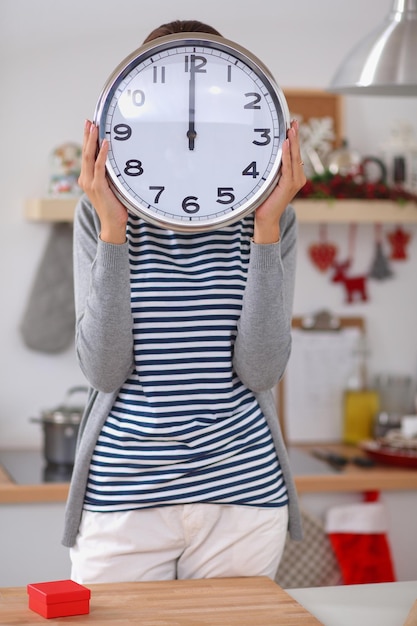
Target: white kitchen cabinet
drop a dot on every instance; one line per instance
(30, 544)
(31, 549)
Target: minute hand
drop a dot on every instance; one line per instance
(191, 133)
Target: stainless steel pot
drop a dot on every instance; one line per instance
(60, 429)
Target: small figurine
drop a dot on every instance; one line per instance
(66, 167)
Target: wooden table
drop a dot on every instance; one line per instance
(208, 602)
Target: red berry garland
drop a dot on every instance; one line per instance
(336, 186)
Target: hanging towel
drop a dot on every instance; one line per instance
(48, 322)
(358, 534)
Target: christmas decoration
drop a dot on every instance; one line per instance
(358, 534)
(323, 253)
(380, 269)
(399, 239)
(329, 186)
(65, 170)
(354, 285)
(316, 141)
(336, 186)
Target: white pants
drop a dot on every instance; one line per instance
(180, 541)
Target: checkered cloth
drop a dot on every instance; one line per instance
(311, 562)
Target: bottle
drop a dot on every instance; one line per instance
(399, 153)
(360, 403)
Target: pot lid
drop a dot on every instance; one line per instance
(66, 413)
(63, 415)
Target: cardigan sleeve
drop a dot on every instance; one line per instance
(104, 338)
(263, 341)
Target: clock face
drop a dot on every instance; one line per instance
(195, 126)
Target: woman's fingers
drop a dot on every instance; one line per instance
(112, 213)
(296, 160)
(292, 171)
(286, 161)
(93, 167)
(100, 165)
(88, 157)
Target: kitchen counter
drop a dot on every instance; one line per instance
(232, 601)
(22, 480)
(382, 604)
(351, 478)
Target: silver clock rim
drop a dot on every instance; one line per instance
(247, 57)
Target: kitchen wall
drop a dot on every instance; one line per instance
(55, 57)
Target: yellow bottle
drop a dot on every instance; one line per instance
(360, 408)
(360, 403)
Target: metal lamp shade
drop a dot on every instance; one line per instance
(385, 62)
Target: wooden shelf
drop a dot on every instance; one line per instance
(355, 211)
(51, 209)
(55, 209)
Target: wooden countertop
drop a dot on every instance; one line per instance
(11, 492)
(232, 601)
(352, 478)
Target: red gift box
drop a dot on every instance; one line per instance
(59, 598)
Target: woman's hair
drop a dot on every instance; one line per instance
(181, 26)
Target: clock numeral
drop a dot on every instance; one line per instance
(194, 63)
(133, 167)
(253, 104)
(265, 133)
(137, 96)
(229, 73)
(251, 170)
(190, 204)
(161, 73)
(122, 132)
(225, 195)
(158, 195)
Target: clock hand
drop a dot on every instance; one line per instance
(191, 133)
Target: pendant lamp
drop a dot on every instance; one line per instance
(384, 63)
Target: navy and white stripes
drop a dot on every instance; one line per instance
(183, 427)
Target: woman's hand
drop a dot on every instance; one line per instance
(113, 215)
(292, 179)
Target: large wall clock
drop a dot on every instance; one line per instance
(195, 125)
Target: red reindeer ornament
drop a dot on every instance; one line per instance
(355, 286)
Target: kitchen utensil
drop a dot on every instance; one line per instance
(60, 429)
(339, 461)
(397, 398)
(396, 393)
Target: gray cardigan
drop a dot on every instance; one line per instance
(104, 339)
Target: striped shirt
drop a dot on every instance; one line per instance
(184, 428)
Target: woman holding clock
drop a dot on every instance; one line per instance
(181, 470)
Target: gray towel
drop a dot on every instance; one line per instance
(49, 319)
